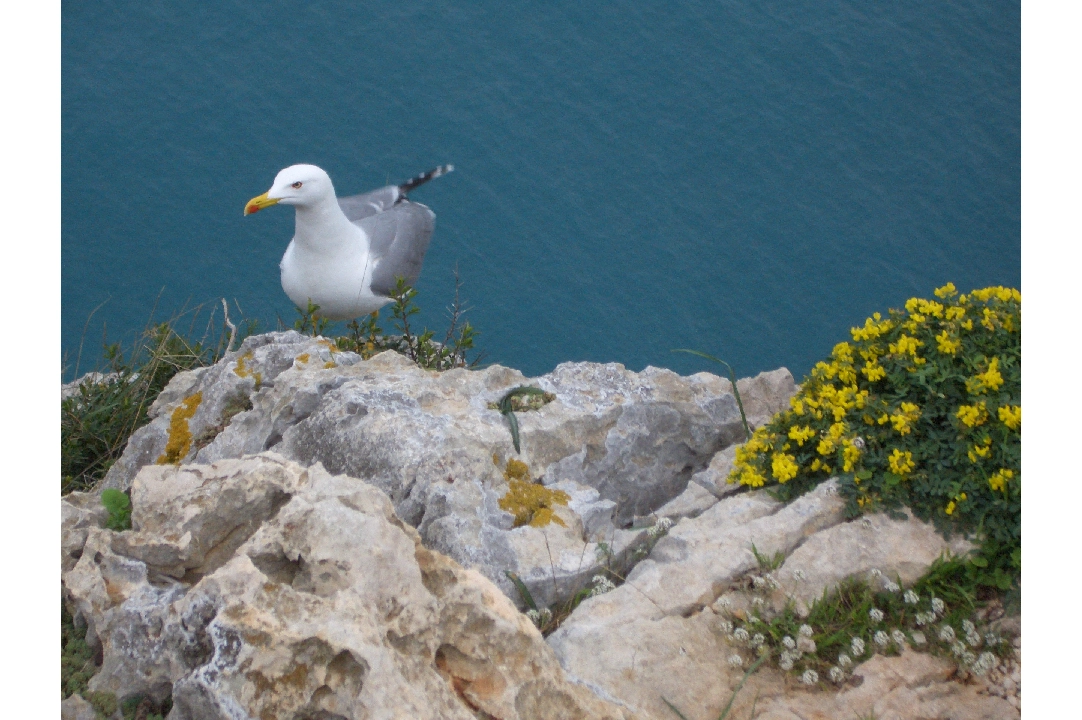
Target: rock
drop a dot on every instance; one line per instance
(77, 708)
(715, 478)
(902, 550)
(432, 442)
(689, 504)
(661, 636)
(316, 601)
(79, 511)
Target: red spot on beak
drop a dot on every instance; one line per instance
(251, 209)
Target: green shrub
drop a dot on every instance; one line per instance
(96, 422)
(921, 409)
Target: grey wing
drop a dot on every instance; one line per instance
(358, 207)
(399, 240)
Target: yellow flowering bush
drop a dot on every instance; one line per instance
(922, 408)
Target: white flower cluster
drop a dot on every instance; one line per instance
(810, 677)
(602, 585)
(806, 631)
(857, 646)
(892, 586)
(876, 615)
(984, 663)
(741, 635)
(767, 582)
(659, 528)
(726, 626)
(539, 618)
(910, 597)
(972, 636)
(946, 634)
(925, 618)
(788, 642)
(736, 661)
(937, 606)
(844, 661)
(757, 639)
(918, 637)
(881, 638)
(898, 637)
(837, 675)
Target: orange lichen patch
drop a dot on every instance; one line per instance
(531, 503)
(242, 369)
(303, 358)
(516, 470)
(180, 436)
(329, 364)
(331, 347)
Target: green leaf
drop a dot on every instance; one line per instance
(522, 589)
(119, 506)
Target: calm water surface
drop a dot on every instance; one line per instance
(749, 179)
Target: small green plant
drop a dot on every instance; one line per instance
(366, 338)
(922, 409)
(119, 506)
(768, 563)
(310, 321)
(76, 660)
(97, 420)
(856, 620)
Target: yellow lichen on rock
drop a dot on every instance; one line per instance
(531, 503)
(242, 369)
(179, 441)
(516, 470)
(303, 358)
(329, 364)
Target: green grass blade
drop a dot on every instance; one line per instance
(522, 589)
(732, 379)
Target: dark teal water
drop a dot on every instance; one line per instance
(749, 179)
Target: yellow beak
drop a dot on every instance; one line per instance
(258, 203)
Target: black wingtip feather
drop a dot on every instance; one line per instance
(425, 177)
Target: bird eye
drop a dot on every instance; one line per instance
(297, 184)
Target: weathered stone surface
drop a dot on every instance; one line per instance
(432, 442)
(79, 512)
(661, 637)
(76, 708)
(328, 606)
(902, 550)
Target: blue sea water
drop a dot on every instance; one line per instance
(749, 179)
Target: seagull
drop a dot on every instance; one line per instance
(347, 253)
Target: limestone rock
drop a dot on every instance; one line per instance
(432, 442)
(902, 550)
(79, 511)
(77, 708)
(316, 602)
(661, 636)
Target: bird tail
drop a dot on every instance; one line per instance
(424, 177)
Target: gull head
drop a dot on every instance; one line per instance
(299, 185)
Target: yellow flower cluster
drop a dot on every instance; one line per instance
(861, 390)
(946, 345)
(999, 479)
(901, 463)
(980, 449)
(903, 418)
(973, 415)
(1011, 416)
(990, 379)
(784, 467)
(801, 434)
(953, 504)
